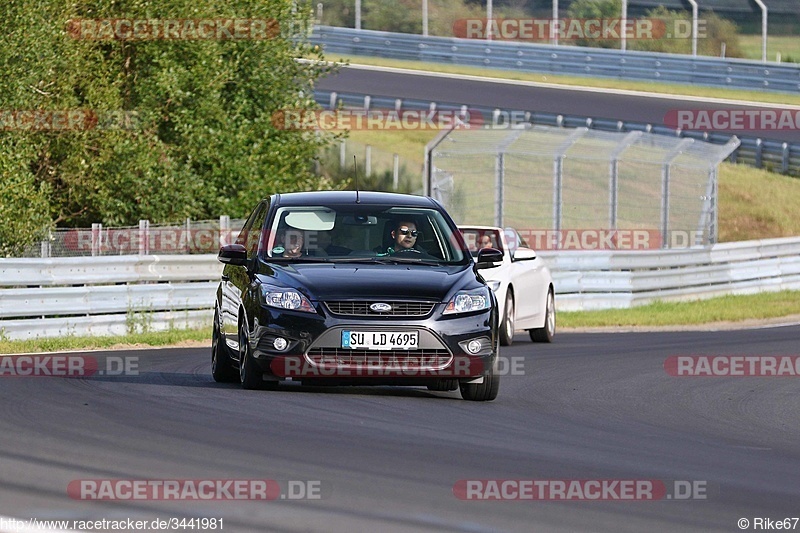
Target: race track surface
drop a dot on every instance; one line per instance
(588, 407)
(598, 103)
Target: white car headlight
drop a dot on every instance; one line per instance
(286, 299)
(493, 284)
(468, 301)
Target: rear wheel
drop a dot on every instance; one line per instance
(507, 325)
(221, 363)
(481, 392)
(546, 333)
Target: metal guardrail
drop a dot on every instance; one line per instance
(776, 156)
(38, 297)
(105, 295)
(621, 279)
(567, 60)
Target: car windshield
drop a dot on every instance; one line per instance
(354, 233)
(478, 238)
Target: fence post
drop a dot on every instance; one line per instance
(46, 244)
(224, 230)
(759, 152)
(499, 178)
(395, 171)
(613, 185)
(97, 235)
(144, 237)
(785, 158)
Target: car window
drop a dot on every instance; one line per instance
(339, 232)
(481, 238)
(251, 231)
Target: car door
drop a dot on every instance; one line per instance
(236, 280)
(529, 278)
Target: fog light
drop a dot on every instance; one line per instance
(280, 343)
(474, 346)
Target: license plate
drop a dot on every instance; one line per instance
(380, 340)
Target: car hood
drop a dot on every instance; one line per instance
(374, 282)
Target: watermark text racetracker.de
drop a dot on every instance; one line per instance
(197, 489)
(566, 29)
(67, 366)
(733, 365)
(580, 489)
(733, 119)
(220, 29)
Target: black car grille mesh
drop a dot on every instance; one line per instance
(361, 308)
(409, 359)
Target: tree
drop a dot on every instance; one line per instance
(173, 127)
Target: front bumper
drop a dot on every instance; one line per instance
(314, 348)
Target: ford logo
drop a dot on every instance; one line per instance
(380, 307)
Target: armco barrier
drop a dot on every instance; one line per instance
(568, 60)
(83, 295)
(105, 295)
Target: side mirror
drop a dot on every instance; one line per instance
(233, 254)
(524, 254)
(489, 257)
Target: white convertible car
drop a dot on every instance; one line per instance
(522, 284)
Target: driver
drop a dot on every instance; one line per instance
(404, 236)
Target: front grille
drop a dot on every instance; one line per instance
(361, 308)
(407, 359)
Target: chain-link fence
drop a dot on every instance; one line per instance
(560, 180)
(191, 237)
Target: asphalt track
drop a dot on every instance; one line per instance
(589, 406)
(597, 103)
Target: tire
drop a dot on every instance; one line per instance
(507, 324)
(482, 392)
(249, 373)
(222, 369)
(548, 331)
(444, 385)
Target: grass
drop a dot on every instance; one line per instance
(722, 309)
(57, 344)
(607, 83)
(787, 45)
(756, 204)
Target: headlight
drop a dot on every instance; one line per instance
(493, 284)
(468, 301)
(286, 299)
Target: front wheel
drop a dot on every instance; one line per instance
(482, 392)
(546, 333)
(249, 373)
(507, 325)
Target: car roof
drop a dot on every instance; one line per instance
(349, 197)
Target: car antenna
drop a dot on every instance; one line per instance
(355, 173)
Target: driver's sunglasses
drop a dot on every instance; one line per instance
(406, 231)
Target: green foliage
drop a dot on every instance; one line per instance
(710, 37)
(343, 178)
(596, 10)
(202, 140)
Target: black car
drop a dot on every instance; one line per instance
(347, 288)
